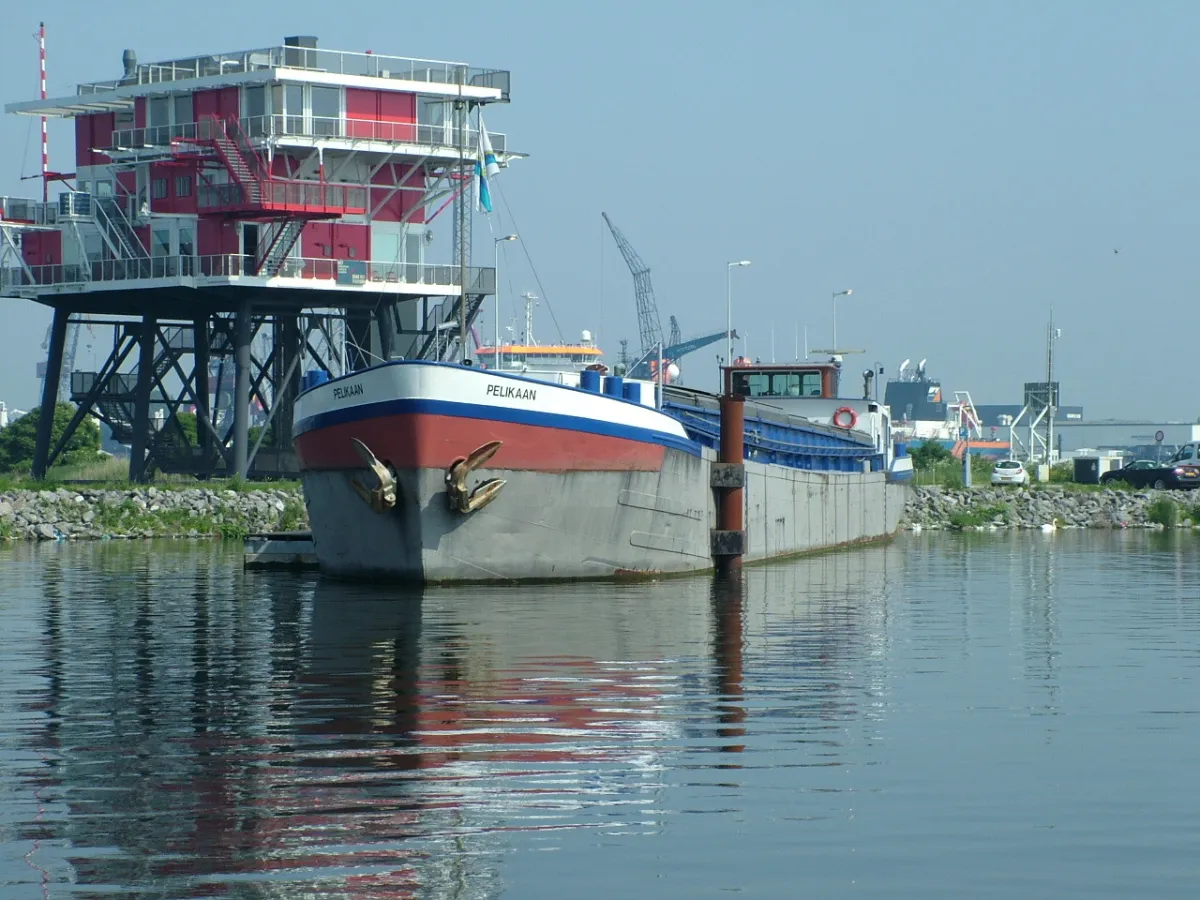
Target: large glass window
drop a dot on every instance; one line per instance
(183, 109)
(158, 111)
(293, 108)
(326, 110)
(254, 110)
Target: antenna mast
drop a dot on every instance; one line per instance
(40, 37)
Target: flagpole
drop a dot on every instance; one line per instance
(462, 220)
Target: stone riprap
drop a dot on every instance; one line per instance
(64, 513)
(985, 508)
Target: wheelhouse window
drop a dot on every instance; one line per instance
(777, 384)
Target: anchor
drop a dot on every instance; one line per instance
(456, 480)
(383, 496)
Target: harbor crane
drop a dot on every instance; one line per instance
(650, 332)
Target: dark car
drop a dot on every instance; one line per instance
(1144, 473)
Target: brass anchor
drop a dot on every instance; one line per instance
(383, 496)
(456, 481)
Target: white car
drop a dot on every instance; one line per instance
(1009, 471)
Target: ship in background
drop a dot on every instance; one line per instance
(921, 412)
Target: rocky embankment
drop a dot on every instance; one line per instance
(49, 515)
(1047, 506)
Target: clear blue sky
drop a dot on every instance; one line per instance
(961, 165)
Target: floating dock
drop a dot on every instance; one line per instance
(292, 550)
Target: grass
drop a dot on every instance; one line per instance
(985, 515)
(65, 478)
(1163, 512)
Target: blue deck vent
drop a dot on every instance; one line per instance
(589, 380)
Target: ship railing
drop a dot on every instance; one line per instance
(309, 59)
(706, 428)
(348, 272)
(317, 127)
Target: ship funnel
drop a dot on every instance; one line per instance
(921, 366)
(903, 366)
(129, 61)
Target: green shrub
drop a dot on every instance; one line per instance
(1163, 512)
(929, 455)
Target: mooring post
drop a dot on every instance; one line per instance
(729, 480)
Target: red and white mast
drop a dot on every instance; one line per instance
(41, 39)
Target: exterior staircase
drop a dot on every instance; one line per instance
(254, 192)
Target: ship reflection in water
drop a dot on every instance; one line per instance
(173, 727)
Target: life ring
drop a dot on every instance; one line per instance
(845, 410)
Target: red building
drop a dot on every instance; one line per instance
(268, 212)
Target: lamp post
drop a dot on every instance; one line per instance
(729, 267)
(496, 242)
(845, 293)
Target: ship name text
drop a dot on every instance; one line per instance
(346, 391)
(511, 392)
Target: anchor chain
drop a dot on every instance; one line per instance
(382, 496)
(462, 500)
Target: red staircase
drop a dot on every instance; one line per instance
(253, 191)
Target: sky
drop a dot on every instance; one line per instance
(964, 168)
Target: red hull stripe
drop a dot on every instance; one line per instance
(420, 440)
(480, 416)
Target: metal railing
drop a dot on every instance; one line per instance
(311, 126)
(273, 194)
(35, 212)
(351, 272)
(310, 59)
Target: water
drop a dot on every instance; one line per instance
(992, 716)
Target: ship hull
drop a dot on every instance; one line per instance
(601, 501)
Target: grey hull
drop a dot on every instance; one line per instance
(573, 525)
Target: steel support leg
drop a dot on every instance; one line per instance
(141, 405)
(58, 339)
(241, 393)
(201, 357)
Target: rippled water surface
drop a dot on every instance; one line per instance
(987, 716)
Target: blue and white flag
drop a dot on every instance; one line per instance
(485, 167)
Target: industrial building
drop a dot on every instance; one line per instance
(240, 223)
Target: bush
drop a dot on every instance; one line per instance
(1163, 512)
(929, 455)
(17, 441)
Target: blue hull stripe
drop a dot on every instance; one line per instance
(496, 414)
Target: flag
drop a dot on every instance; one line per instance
(485, 167)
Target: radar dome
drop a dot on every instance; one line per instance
(672, 371)
(586, 337)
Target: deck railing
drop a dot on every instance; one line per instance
(223, 267)
(256, 127)
(309, 59)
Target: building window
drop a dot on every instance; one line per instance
(326, 109)
(183, 185)
(158, 111)
(182, 109)
(158, 188)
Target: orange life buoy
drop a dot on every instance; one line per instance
(845, 410)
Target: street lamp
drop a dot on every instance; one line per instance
(496, 242)
(845, 293)
(729, 267)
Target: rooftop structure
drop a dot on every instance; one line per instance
(284, 195)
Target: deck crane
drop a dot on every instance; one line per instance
(650, 331)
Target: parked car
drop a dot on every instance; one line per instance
(1009, 471)
(1144, 473)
